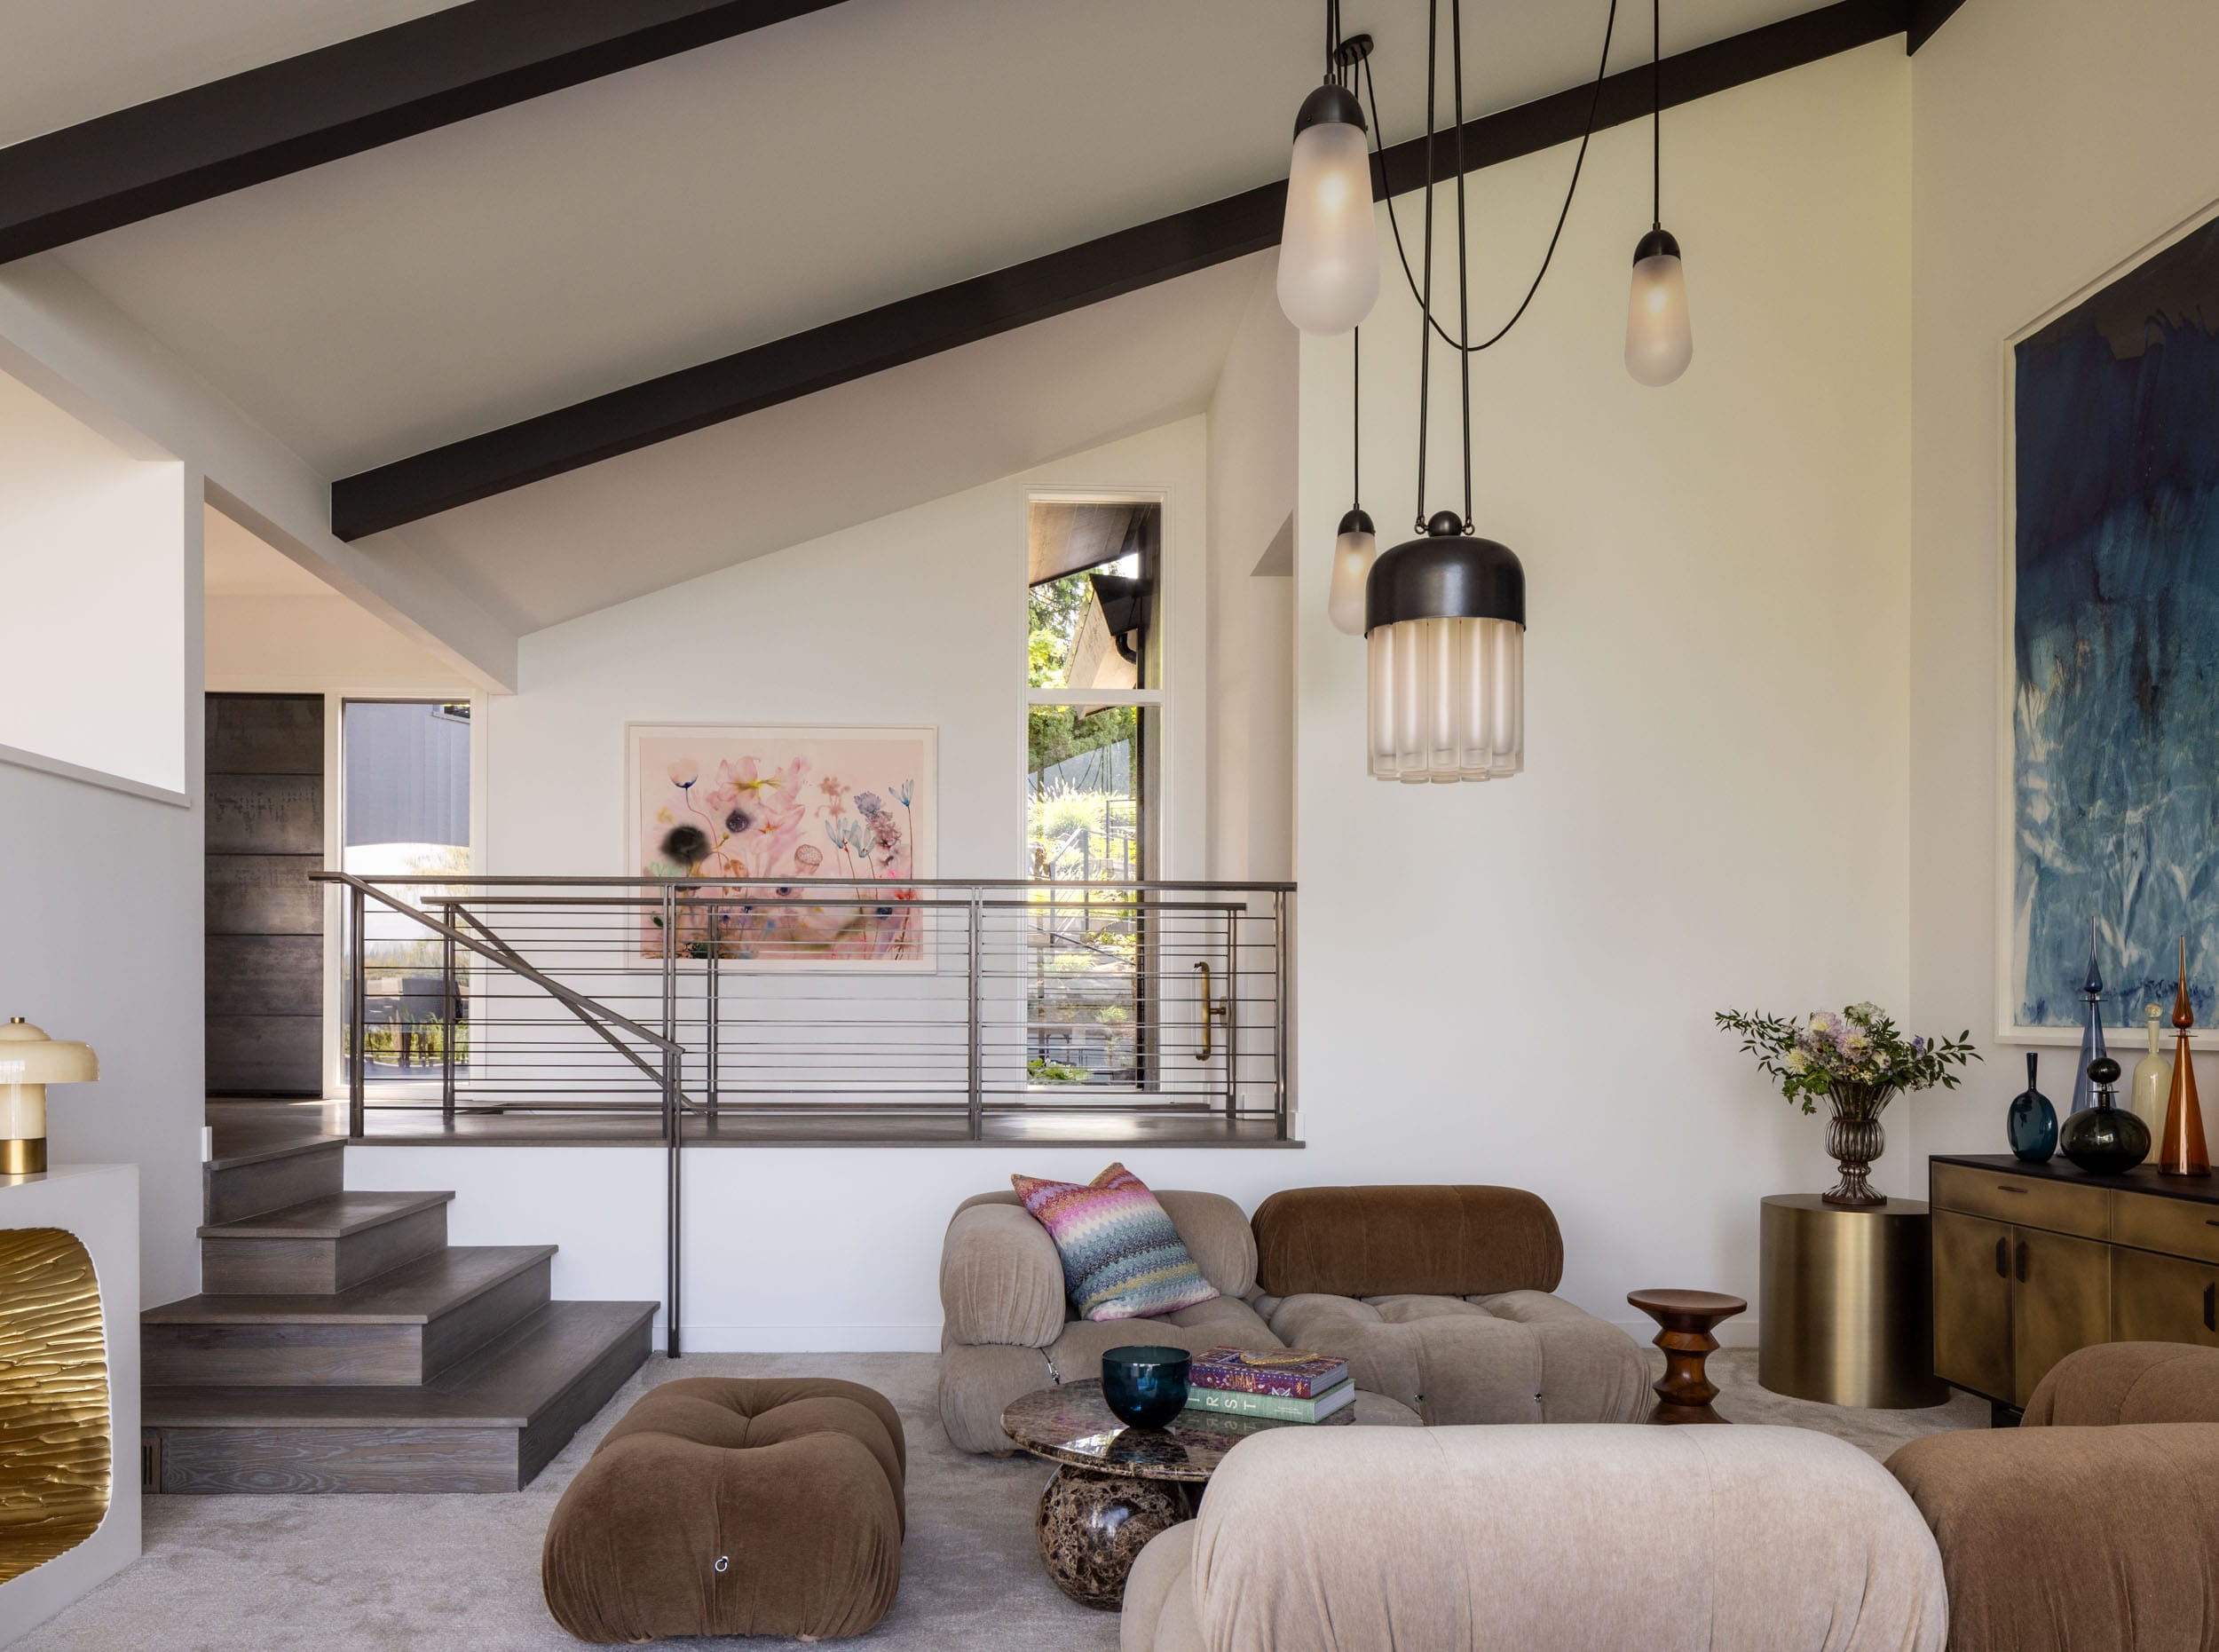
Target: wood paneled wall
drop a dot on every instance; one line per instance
(266, 919)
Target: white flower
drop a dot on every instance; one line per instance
(1797, 1062)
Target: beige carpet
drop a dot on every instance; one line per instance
(424, 1574)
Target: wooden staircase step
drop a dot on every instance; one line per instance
(404, 1326)
(321, 1246)
(270, 1178)
(488, 1423)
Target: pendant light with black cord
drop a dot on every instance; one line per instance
(1660, 341)
(1356, 542)
(1329, 244)
(1445, 614)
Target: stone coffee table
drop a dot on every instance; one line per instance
(1115, 1487)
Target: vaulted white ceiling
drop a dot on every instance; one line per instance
(476, 274)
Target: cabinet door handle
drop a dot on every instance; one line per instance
(2211, 1307)
(2022, 1262)
(2003, 1259)
(2009, 1187)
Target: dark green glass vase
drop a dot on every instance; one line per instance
(2104, 1140)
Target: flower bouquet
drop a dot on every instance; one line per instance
(1858, 1059)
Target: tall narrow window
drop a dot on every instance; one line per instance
(1094, 762)
(406, 812)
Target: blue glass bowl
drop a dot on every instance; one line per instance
(1145, 1386)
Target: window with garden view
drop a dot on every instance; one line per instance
(1093, 742)
(406, 811)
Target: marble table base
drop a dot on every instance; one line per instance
(1093, 1527)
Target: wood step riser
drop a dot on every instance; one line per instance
(286, 1355)
(335, 1457)
(297, 1267)
(552, 1430)
(235, 1193)
(278, 1460)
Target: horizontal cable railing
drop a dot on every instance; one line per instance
(682, 1005)
(687, 1002)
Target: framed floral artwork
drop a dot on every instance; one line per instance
(822, 833)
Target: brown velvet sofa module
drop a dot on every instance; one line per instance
(1406, 1241)
(730, 1506)
(2093, 1527)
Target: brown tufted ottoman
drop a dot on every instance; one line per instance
(733, 1507)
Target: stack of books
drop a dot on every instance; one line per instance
(1282, 1385)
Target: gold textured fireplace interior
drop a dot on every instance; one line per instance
(55, 1451)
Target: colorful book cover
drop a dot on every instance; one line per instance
(1288, 1373)
(1272, 1406)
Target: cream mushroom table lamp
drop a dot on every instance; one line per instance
(30, 1061)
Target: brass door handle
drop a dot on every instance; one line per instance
(1213, 1010)
(2003, 1259)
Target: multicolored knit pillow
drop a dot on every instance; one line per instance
(1122, 1257)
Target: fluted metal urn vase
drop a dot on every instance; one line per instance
(1854, 1137)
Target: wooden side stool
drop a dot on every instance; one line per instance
(1683, 1393)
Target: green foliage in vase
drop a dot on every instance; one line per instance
(1859, 1049)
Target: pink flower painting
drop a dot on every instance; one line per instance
(807, 842)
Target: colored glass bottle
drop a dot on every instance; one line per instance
(2032, 1123)
(2180, 1151)
(2105, 1139)
(2153, 1078)
(2092, 1033)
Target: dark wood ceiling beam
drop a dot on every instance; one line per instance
(1926, 17)
(910, 329)
(376, 89)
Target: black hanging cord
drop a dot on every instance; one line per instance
(1594, 103)
(1426, 327)
(1656, 114)
(1355, 417)
(1464, 283)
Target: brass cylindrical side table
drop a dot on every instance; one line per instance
(1845, 1298)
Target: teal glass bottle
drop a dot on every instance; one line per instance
(2032, 1123)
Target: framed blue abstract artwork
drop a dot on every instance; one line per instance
(2111, 662)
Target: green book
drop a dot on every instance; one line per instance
(1272, 1405)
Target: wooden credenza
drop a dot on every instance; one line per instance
(2031, 1262)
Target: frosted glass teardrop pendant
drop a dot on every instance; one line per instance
(1659, 340)
(1329, 244)
(1355, 549)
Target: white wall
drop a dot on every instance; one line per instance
(92, 672)
(102, 941)
(316, 646)
(2052, 140)
(1251, 640)
(1514, 982)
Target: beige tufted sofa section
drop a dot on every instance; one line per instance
(1438, 1297)
(1542, 1539)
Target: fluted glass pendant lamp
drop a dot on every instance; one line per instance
(1329, 243)
(1445, 614)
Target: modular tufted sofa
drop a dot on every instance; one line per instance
(1542, 1539)
(1438, 1297)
